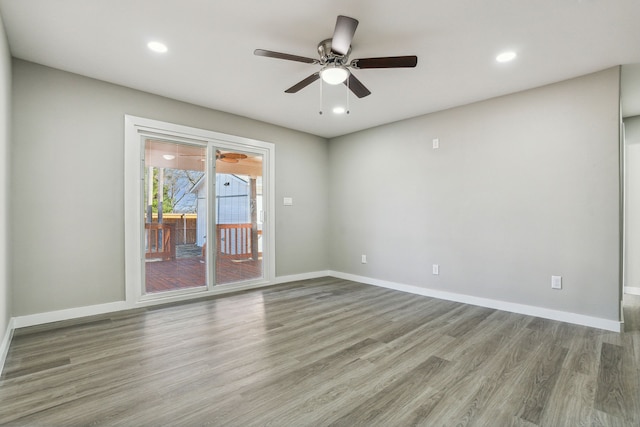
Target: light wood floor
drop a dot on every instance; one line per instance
(323, 352)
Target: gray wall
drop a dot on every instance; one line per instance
(67, 186)
(523, 187)
(632, 201)
(5, 108)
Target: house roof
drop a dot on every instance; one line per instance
(210, 60)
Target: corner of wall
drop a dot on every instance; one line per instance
(477, 206)
(6, 321)
(5, 343)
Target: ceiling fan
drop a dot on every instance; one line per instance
(230, 157)
(227, 157)
(334, 59)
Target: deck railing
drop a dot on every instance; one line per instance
(160, 241)
(236, 240)
(233, 241)
(186, 228)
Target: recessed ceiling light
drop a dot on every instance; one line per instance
(339, 110)
(168, 156)
(157, 47)
(506, 56)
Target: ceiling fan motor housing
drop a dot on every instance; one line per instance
(327, 56)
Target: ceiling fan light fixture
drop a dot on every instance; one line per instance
(334, 74)
(507, 56)
(157, 47)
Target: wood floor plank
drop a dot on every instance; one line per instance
(466, 324)
(540, 382)
(610, 396)
(618, 387)
(399, 394)
(603, 419)
(574, 395)
(464, 378)
(11, 372)
(495, 417)
(386, 366)
(321, 352)
(583, 354)
(501, 371)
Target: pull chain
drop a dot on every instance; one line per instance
(348, 90)
(320, 109)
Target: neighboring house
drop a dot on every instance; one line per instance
(232, 203)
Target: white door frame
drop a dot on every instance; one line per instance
(138, 128)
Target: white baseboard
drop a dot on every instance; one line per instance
(68, 314)
(112, 307)
(303, 276)
(226, 289)
(529, 310)
(631, 290)
(6, 341)
(74, 313)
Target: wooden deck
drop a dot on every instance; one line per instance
(170, 266)
(191, 272)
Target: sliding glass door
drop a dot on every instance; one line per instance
(239, 216)
(175, 193)
(203, 213)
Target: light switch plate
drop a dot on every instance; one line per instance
(288, 201)
(556, 282)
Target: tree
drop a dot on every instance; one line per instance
(177, 183)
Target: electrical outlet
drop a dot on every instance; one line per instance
(436, 143)
(435, 269)
(556, 282)
(364, 259)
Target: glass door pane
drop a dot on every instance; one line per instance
(175, 215)
(239, 216)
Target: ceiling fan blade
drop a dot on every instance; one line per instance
(356, 86)
(386, 62)
(304, 83)
(238, 156)
(343, 34)
(278, 55)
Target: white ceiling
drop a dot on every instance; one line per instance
(210, 61)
